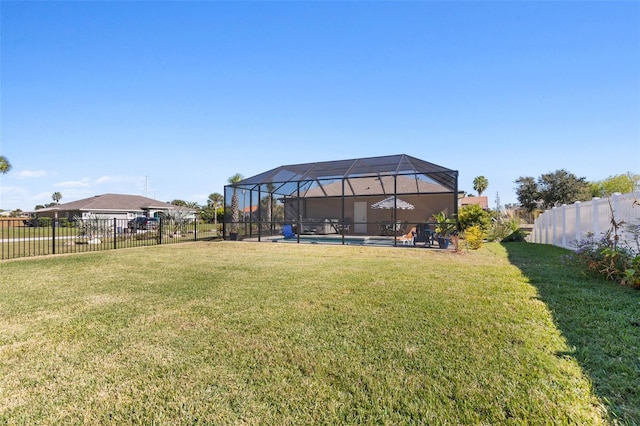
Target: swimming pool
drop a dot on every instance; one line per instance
(356, 241)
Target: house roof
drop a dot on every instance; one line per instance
(360, 173)
(114, 202)
(481, 201)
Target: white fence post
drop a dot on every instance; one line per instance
(595, 218)
(578, 235)
(564, 226)
(554, 219)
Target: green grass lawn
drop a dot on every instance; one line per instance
(243, 333)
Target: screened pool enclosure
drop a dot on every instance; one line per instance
(336, 199)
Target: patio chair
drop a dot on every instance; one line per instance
(424, 234)
(384, 228)
(287, 231)
(339, 227)
(400, 228)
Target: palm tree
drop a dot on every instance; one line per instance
(270, 203)
(5, 165)
(215, 200)
(235, 212)
(480, 184)
(176, 220)
(56, 196)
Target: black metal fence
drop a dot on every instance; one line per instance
(86, 235)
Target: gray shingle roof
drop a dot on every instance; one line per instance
(119, 202)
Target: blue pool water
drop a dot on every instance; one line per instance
(336, 240)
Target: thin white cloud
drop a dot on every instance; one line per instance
(82, 183)
(87, 186)
(119, 179)
(4, 189)
(29, 174)
(11, 197)
(105, 179)
(42, 196)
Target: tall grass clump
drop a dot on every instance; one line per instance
(610, 255)
(604, 257)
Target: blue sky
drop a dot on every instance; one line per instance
(169, 99)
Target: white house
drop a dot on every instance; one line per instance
(113, 206)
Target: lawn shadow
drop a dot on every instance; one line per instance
(599, 319)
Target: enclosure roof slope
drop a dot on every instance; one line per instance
(375, 186)
(359, 167)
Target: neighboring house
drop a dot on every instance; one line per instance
(483, 202)
(250, 213)
(112, 206)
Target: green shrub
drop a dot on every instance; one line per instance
(45, 222)
(502, 229)
(516, 236)
(473, 215)
(474, 237)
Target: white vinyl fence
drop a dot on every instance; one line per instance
(563, 226)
